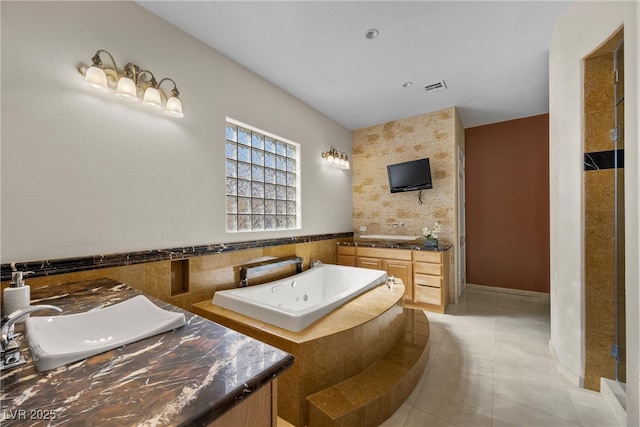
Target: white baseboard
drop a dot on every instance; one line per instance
(574, 378)
(542, 296)
(616, 397)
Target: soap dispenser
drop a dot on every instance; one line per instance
(18, 295)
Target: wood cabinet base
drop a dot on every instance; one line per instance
(424, 273)
(259, 410)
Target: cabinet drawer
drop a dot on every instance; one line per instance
(426, 280)
(349, 260)
(347, 250)
(401, 254)
(372, 263)
(428, 256)
(428, 295)
(427, 268)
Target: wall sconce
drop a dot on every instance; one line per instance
(133, 84)
(336, 158)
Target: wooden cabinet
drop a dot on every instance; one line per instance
(425, 274)
(347, 255)
(260, 409)
(402, 270)
(373, 263)
(431, 280)
(396, 262)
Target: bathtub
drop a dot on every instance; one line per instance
(297, 301)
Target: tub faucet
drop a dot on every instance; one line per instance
(391, 281)
(11, 356)
(315, 263)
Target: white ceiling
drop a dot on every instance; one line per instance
(492, 55)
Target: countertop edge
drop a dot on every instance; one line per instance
(90, 290)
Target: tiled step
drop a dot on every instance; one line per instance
(373, 395)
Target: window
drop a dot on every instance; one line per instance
(262, 180)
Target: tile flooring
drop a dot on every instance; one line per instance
(490, 365)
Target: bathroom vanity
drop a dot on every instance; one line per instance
(424, 271)
(199, 374)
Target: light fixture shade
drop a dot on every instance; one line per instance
(97, 78)
(174, 107)
(127, 89)
(152, 98)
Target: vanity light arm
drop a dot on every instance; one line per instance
(174, 91)
(97, 61)
(152, 83)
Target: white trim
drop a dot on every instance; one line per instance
(531, 294)
(574, 378)
(616, 397)
(258, 130)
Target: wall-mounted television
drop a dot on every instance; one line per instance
(410, 176)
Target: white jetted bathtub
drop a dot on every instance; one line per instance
(297, 301)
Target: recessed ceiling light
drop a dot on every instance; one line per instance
(372, 33)
(407, 84)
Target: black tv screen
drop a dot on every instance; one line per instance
(409, 176)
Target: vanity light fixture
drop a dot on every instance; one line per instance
(336, 158)
(133, 84)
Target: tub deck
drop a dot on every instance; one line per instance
(340, 348)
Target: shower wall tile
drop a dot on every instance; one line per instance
(598, 361)
(598, 88)
(599, 213)
(597, 130)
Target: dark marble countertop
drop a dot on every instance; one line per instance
(414, 245)
(189, 376)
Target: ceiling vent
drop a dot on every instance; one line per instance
(435, 87)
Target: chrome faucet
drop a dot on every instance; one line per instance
(391, 281)
(315, 263)
(11, 356)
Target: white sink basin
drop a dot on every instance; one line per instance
(57, 340)
(389, 237)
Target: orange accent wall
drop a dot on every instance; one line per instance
(507, 204)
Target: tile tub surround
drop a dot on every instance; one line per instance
(333, 349)
(72, 265)
(193, 374)
(211, 267)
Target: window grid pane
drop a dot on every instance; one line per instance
(261, 181)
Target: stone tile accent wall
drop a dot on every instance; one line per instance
(431, 135)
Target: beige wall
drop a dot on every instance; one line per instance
(84, 174)
(434, 135)
(584, 27)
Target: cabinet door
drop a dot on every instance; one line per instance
(372, 263)
(403, 270)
